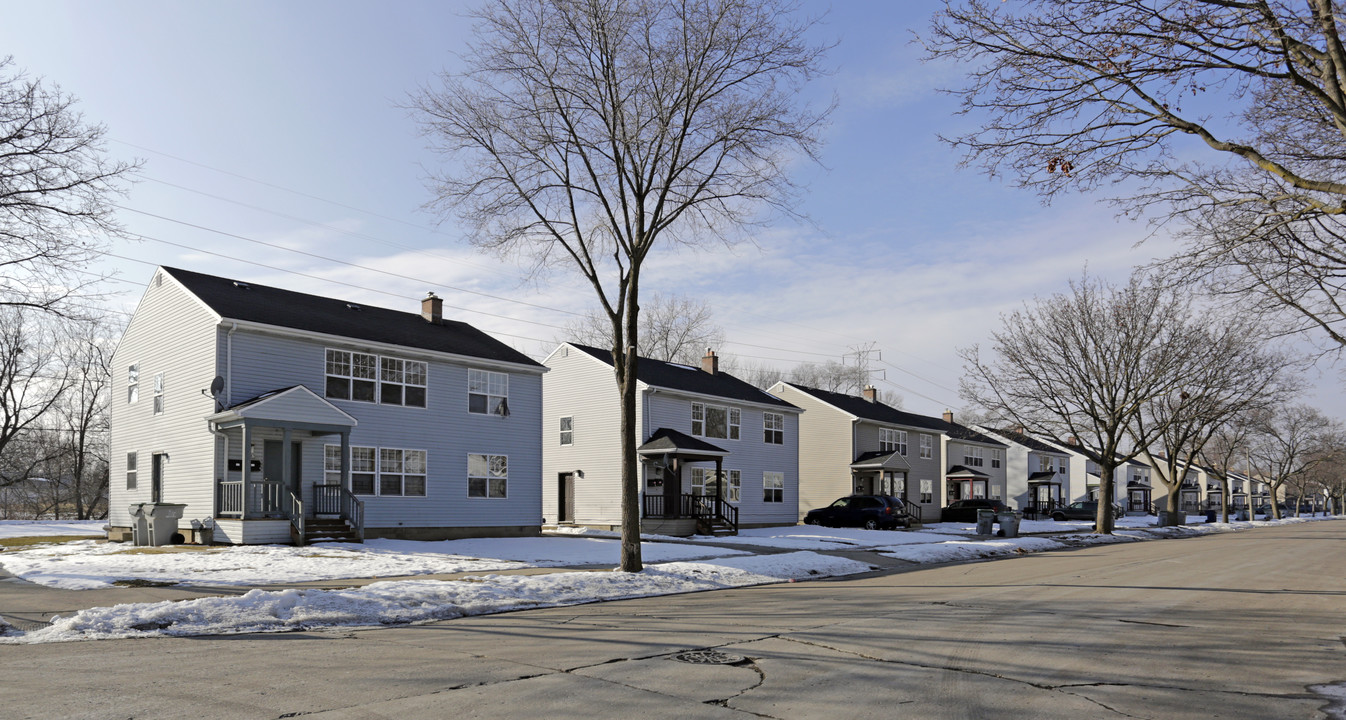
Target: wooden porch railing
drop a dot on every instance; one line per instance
(337, 500)
(267, 499)
(697, 507)
(297, 518)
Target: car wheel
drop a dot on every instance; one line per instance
(871, 524)
(1058, 516)
(812, 521)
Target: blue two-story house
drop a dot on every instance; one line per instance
(269, 413)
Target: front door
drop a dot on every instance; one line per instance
(157, 477)
(565, 498)
(273, 463)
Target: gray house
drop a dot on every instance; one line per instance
(850, 444)
(1037, 474)
(716, 453)
(268, 412)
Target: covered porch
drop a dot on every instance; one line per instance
(263, 491)
(1044, 493)
(665, 507)
(883, 472)
(964, 483)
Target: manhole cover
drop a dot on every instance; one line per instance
(709, 657)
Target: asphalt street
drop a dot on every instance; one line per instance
(1235, 625)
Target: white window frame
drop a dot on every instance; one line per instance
(493, 387)
(131, 471)
(773, 428)
(997, 459)
(354, 368)
(927, 491)
(568, 430)
(773, 487)
(888, 440)
(132, 383)
(402, 375)
(159, 394)
(927, 447)
(490, 478)
(733, 487)
(733, 420)
(974, 456)
(367, 466)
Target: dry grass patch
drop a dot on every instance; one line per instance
(23, 542)
(169, 549)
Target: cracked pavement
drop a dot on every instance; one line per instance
(1234, 625)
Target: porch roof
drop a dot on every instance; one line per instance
(294, 407)
(667, 441)
(881, 460)
(1041, 477)
(960, 471)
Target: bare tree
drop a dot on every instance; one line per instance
(1224, 451)
(1284, 441)
(673, 328)
(57, 188)
(600, 130)
(1226, 117)
(33, 380)
(1083, 364)
(1231, 376)
(81, 420)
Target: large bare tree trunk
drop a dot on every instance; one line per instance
(626, 382)
(1106, 493)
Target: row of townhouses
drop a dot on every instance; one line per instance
(265, 415)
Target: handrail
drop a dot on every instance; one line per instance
(335, 499)
(297, 517)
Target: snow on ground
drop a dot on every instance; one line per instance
(948, 550)
(84, 564)
(415, 601)
(40, 528)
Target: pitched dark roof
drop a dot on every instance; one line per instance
(880, 412)
(1029, 441)
(693, 380)
(251, 302)
(668, 440)
(1093, 455)
(1041, 475)
(964, 471)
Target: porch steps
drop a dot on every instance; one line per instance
(326, 530)
(715, 526)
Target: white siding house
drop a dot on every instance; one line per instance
(714, 450)
(267, 411)
(1037, 475)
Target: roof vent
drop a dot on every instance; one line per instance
(242, 285)
(353, 306)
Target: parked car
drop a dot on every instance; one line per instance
(966, 510)
(1265, 509)
(872, 512)
(1083, 510)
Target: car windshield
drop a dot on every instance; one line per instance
(841, 503)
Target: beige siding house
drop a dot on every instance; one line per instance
(857, 445)
(716, 453)
(272, 415)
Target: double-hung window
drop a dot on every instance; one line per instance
(927, 447)
(568, 430)
(487, 393)
(401, 472)
(973, 456)
(130, 471)
(132, 383)
(716, 421)
(773, 487)
(363, 469)
(159, 394)
(891, 440)
(996, 457)
(487, 476)
(733, 490)
(401, 382)
(927, 491)
(352, 375)
(773, 428)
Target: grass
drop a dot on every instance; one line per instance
(22, 542)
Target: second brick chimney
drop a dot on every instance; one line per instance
(710, 363)
(948, 416)
(871, 393)
(432, 308)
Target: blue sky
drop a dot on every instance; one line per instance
(281, 123)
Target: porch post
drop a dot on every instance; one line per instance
(720, 480)
(290, 484)
(247, 469)
(346, 460)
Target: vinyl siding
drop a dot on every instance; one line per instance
(580, 386)
(867, 440)
(174, 334)
(825, 445)
(262, 362)
(750, 454)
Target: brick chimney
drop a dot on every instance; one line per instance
(948, 416)
(432, 308)
(710, 363)
(1073, 441)
(871, 393)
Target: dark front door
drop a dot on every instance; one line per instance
(565, 498)
(273, 462)
(157, 477)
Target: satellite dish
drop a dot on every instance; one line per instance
(217, 385)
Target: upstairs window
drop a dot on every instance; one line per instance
(132, 383)
(973, 456)
(568, 430)
(927, 447)
(996, 458)
(716, 421)
(1044, 463)
(773, 428)
(352, 375)
(891, 440)
(159, 394)
(487, 392)
(401, 382)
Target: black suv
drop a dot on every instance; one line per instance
(966, 510)
(872, 512)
